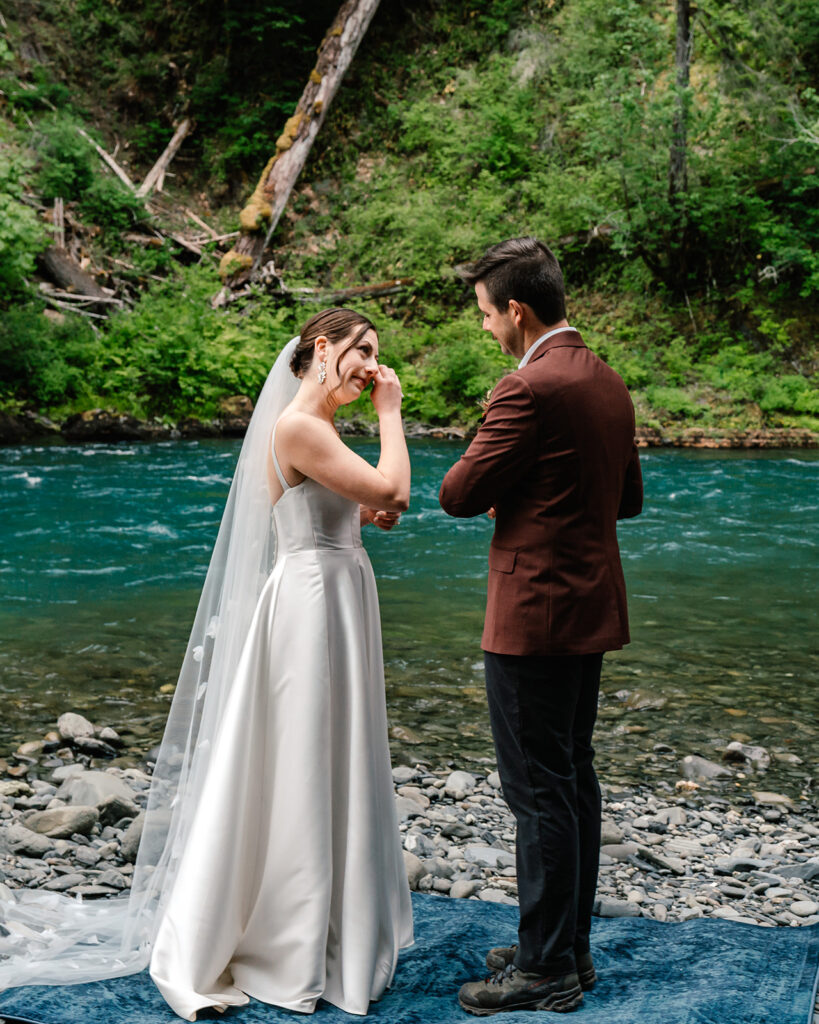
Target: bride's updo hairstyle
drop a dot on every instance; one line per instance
(333, 324)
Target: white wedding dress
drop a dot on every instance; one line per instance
(291, 884)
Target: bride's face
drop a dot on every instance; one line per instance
(351, 368)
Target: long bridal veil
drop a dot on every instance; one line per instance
(52, 939)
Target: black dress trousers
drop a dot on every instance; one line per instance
(542, 710)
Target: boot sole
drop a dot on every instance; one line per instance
(558, 1002)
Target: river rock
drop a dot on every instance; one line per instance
(464, 888)
(13, 787)
(606, 906)
(88, 856)
(414, 793)
(494, 780)
(93, 788)
(488, 857)
(458, 784)
(94, 747)
(111, 736)
(455, 830)
(406, 808)
(684, 847)
(419, 844)
(697, 768)
(671, 816)
(772, 799)
(495, 896)
(438, 867)
(66, 771)
(63, 882)
(63, 822)
(619, 851)
(114, 808)
(741, 753)
(610, 833)
(728, 865)
(72, 726)
(23, 842)
(402, 774)
(114, 879)
(131, 838)
(806, 871)
(805, 908)
(31, 749)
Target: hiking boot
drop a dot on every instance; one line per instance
(502, 956)
(512, 989)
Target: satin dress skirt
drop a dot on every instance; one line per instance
(291, 886)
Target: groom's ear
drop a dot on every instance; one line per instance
(517, 310)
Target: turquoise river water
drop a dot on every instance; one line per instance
(103, 549)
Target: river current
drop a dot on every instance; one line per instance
(103, 549)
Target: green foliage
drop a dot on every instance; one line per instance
(45, 363)
(66, 167)
(175, 355)
(21, 235)
(107, 203)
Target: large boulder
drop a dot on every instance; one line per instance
(63, 822)
(93, 788)
(71, 726)
(22, 842)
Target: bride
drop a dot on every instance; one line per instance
(270, 864)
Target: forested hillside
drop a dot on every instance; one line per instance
(678, 185)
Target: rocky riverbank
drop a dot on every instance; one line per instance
(71, 811)
(106, 425)
(72, 808)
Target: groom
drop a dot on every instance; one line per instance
(554, 462)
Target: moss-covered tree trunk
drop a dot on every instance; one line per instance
(260, 216)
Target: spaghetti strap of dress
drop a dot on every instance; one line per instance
(276, 466)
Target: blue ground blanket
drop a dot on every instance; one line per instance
(699, 972)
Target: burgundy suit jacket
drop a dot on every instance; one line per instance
(555, 456)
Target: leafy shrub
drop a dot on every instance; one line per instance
(110, 205)
(45, 363)
(66, 161)
(21, 234)
(674, 402)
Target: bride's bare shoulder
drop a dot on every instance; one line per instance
(295, 426)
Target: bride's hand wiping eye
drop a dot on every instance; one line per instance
(386, 393)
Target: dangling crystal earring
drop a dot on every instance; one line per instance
(322, 374)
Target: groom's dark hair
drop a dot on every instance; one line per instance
(523, 269)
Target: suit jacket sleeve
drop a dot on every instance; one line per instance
(500, 453)
(631, 502)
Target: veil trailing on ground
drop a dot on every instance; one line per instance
(54, 939)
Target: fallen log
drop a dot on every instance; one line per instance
(364, 291)
(259, 218)
(155, 177)
(58, 265)
(115, 167)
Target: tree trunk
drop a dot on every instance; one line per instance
(678, 169)
(259, 218)
(156, 176)
(58, 265)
